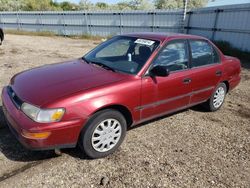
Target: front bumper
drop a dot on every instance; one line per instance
(63, 134)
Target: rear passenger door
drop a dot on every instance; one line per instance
(206, 70)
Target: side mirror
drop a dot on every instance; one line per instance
(159, 71)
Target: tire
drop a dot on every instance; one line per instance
(107, 126)
(217, 98)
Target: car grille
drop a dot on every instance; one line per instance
(15, 99)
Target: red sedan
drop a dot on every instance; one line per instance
(124, 81)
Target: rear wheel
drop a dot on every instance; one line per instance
(217, 98)
(103, 134)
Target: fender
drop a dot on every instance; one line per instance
(85, 104)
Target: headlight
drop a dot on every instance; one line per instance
(42, 115)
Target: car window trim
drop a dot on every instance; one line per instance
(212, 47)
(162, 48)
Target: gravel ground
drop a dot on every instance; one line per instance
(191, 148)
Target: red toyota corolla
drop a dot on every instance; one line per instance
(121, 83)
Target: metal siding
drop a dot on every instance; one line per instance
(103, 23)
(238, 40)
(139, 19)
(205, 20)
(203, 33)
(232, 25)
(235, 20)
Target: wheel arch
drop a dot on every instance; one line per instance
(227, 84)
(122, 109)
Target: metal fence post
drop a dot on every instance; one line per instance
(86, 22)
(153, 20)
(1, 22)
(214, 29)
(18, 21)
(188, 22)
(120, 13)
(39, 20)
(64, 25)
(89, 25)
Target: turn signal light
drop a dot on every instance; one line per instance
(40, 135)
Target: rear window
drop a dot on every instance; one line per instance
(203, 53)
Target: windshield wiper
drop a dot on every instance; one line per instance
(99, 64)
(103, 66)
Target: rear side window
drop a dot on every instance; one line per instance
(203, 53)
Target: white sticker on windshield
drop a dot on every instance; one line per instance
(144, 42)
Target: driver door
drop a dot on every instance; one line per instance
(162, 95)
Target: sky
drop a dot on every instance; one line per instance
(211, 2)
(226, 2)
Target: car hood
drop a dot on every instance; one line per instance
(48, 83)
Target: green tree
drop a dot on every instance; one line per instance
(12, 5)
(38, 5)
(141, 4)
(68, 6)
(135, 5)
(101, 5)
(170, 4)
(122, 6)
(86, 5)
(51, 5)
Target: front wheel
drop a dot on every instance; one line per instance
(103, 133)
(217, 98)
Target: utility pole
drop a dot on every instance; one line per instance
(185, 3)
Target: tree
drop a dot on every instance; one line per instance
(68, 6)
(11, 5)
(197, 3)
(51, 5)
(101, 5)
(86, 5)
(135, 5)
(170, 4)
(38, 5)
(122, 6)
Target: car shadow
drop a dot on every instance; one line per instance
(245, 65)
(197, 108)
(13, 150)
(156, 119)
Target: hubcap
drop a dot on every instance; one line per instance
(106, 135)
(219, 97)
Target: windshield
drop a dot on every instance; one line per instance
(122, 53)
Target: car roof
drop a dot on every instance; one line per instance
(162, 36)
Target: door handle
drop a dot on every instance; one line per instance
(218, 73)
(187, 80)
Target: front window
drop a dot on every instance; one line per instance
(174, 56)
(123, 54)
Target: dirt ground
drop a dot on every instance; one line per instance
(191, 148)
